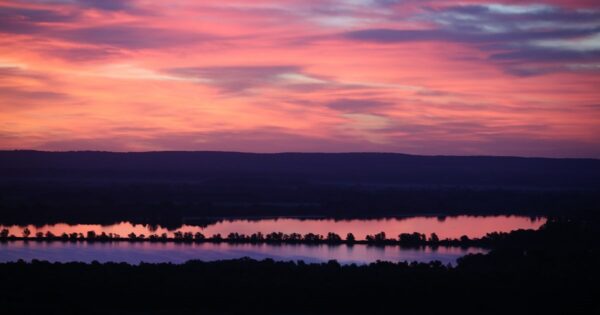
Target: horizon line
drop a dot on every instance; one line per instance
(303, 152)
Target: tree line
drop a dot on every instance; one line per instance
(381, 239)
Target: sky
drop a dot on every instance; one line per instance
(448, 77)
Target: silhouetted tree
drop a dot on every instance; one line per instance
(26, 233)
(4, 233)
(313, 238)
(333, 238)
(199, 236)
(104, 237)
(91, 235)
(412, 238)
(293, 238)
(235, 237)
(178, 236)
(350, 238)
(257, 237)
(274, 237)
(377, 238)
(188, 236)
(434, 239)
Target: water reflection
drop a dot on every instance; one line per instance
(445, 227)
(135, 253)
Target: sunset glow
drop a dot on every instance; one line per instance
(422, 77)
(451, 227)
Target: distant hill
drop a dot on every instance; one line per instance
(170, 187)
(356, 168)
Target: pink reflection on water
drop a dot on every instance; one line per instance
(448, 227)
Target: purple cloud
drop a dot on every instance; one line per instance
(131, 37)
(514, 36)
(358, 105)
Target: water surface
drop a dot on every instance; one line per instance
(137, 252)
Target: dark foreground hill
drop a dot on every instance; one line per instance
(106, 186)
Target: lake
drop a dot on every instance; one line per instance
(444, 227)
(134, 253)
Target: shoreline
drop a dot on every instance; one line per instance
(484, 242)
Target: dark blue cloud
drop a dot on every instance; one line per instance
(396, 36)
(456, 14)
(16, 20)
(35, 15)
(81, 53)
(358, 105)
(109, 5)
(509, 34)
(14, 97)
(464, 36)
(130, 37)
(538, 54)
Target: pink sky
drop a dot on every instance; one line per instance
(422, 77)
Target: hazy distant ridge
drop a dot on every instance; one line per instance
(390, 168)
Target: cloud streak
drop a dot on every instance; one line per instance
(242, 78)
